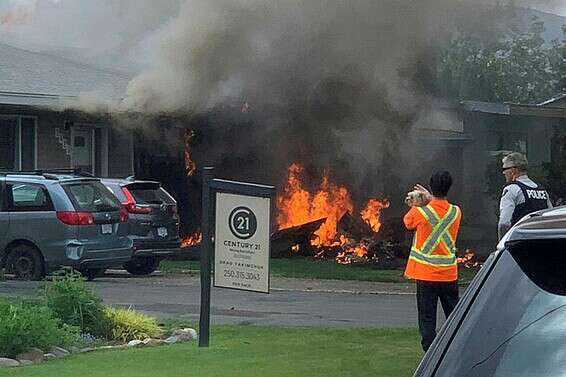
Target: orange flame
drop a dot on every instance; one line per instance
(352, 252)
(468, 259)
(372, 213)
(298, 206)
(192, 239)
(190, 165)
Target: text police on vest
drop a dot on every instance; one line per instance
(536, 194)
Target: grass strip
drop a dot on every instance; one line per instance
(250, 351)
(310, 268)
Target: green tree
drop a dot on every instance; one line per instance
(562, 61)
(517, 67)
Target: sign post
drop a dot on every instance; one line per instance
(205, 255)
(240, 214)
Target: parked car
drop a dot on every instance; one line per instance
(153, 225)
(59, 218)
(511, 320)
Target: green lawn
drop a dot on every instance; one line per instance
(249, 351)
(311, 268)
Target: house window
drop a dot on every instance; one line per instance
(27, 143)
(17, 143)
(8, 143)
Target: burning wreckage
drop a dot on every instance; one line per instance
(324, 225)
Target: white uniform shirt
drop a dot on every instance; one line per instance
(511, 197)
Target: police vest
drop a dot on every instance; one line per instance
(429, 263)
(536, 198)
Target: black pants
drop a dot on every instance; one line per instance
(428, 293)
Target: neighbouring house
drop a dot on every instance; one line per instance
(36, 134)
(472, 146)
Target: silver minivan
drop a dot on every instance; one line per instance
(49, 220)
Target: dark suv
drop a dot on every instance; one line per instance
(153, 225)
(53, 219)
(511, 320)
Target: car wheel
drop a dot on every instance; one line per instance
(142, 266)
(25, 262)
(92, 273)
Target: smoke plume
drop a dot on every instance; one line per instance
(336, 85)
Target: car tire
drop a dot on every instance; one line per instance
(25, 262)
(142, 265)
(92, 273)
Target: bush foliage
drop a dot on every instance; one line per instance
(128, 324)
(26, 325)
(75, 304)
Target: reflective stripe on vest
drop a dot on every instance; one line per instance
(434, 260)
(440, 229)
(440, 233)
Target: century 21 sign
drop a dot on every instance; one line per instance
(242, 242)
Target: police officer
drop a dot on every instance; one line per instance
(521, 195)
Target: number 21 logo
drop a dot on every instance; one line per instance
(242, 222)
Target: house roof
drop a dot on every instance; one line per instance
(36, 79)
(557, 101)
(549, 110)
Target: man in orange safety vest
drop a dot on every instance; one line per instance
(432, 260)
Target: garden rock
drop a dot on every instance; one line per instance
(185, 334)
(135, 343)
(8, 363)
(25, 362)
(49, 356)
(35, 355)
(155, 342)
(59, 352)
(86, 349)
(74, 349)
(111, 347)
(171, 340)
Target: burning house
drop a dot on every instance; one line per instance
(319, 213)
(331, 103)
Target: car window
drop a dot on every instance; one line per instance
(116, 189)
(92, 197)
(517, 324)
(28, 197)
(149, 194)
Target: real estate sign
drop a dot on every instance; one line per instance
(242, 242)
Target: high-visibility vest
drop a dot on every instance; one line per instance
(435, 258)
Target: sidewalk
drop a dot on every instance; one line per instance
(286, 284)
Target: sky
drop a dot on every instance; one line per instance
(111, 32)
(77, 23)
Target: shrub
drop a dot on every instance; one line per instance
(25, 325)
(128, 324)
(75, 304)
